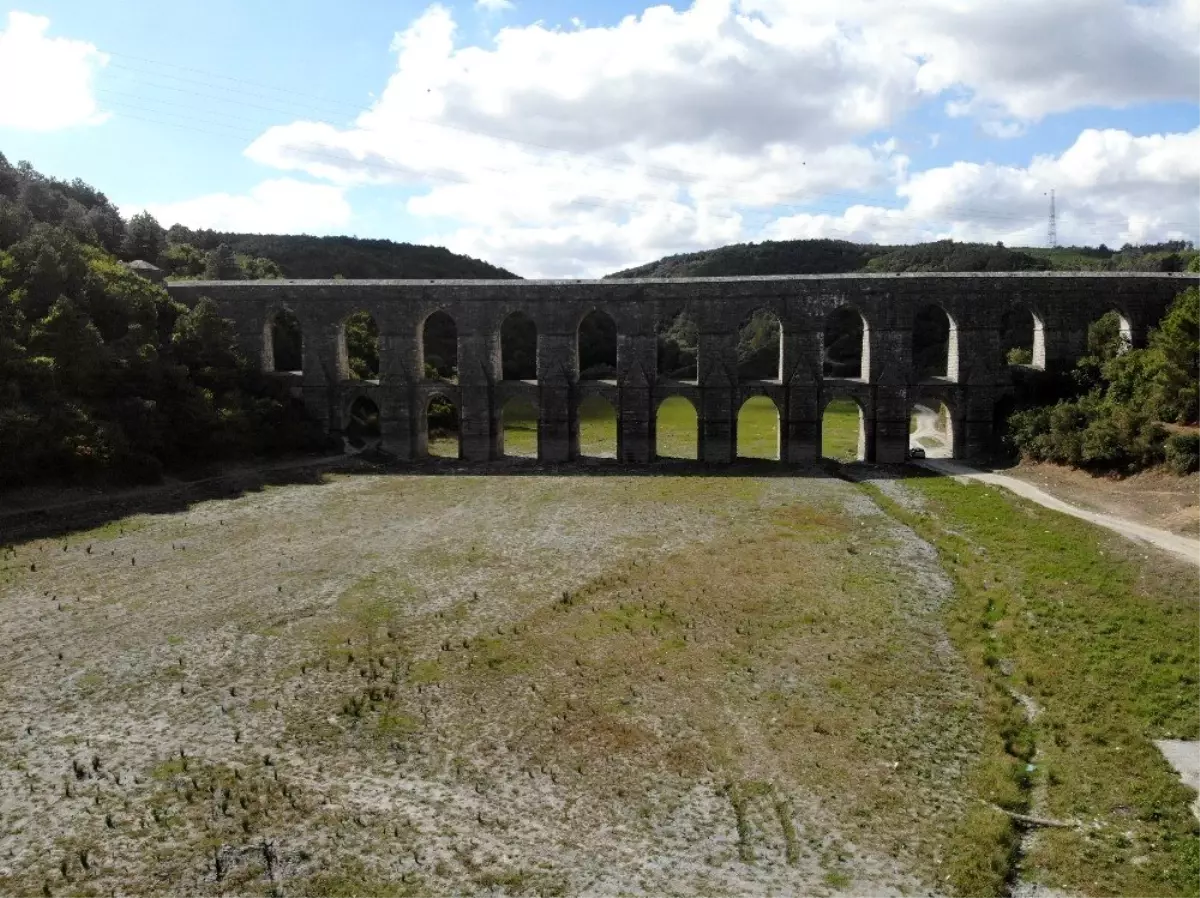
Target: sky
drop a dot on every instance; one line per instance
(573, 138)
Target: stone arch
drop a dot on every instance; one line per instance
(846, 345)
(934, 344)
(519, 427)
(676, 428)
(1022, 337)
(760, 346)
(359, 347)
(1109, 333)
(597, 427)
(677, 341)
(438, 346)
(518, 339)
(596, 342)
(844, 429)
(363, 423)
(932, 427)
(283, 341)
(441, 426)
(759, 429)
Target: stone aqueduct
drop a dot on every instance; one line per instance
(1061, 304)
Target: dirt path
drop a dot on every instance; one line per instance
(1163, 539)
(927, 431)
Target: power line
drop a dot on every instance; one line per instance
(1052, 234)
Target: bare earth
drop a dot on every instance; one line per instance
(597, 685)
(1154, 498)
(1183, 546)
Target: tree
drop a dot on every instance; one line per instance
(144, 238)
(221, 265)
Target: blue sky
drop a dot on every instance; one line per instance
(575, 138)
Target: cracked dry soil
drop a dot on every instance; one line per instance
(532, 685)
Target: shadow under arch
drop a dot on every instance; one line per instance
(760, 346)
(934, 344)
(518, 339)
(283, 342)
(438, 345)
(676, 429)
(596, 342)
(1023, 337)
(363, 426)
(847, 344)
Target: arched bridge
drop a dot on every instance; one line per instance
(972, 378)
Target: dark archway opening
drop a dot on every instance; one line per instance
(934, 344)
(843, 431)
(442, 428)
(677, 429)
(760, 347)
(363, 428)
(362, 346)
(678, 341)
(758, 429)
(1022, 339)
(519, 428)
(284, 343)
(597, 347)
(518, 347)
(439, 346)
(847, 353)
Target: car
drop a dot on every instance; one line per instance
(916, 452)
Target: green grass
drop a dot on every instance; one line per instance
(758, 429)
(839, 430)
(1105, 641)
(597, 428)
(520, 429)
(677, 428)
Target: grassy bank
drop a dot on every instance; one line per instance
(1103, 638)
(758, 430)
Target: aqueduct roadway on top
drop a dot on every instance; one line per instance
(972, 380)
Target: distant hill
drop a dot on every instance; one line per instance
(843, 257)
(301, 256)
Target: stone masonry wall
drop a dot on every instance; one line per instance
(1063, 305)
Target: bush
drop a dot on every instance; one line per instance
(1182, 453)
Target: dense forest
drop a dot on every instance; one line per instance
(103, 377)
(183, 252)
(843, 257)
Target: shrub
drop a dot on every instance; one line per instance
(1182, 453)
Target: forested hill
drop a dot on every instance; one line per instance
(301, 256)
(843, 257)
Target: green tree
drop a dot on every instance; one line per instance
(144, 238)
(221, 265)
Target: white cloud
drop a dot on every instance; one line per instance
(1112, 187)
(47, 81)
(577, 150)
(494, 5)
(283, 205)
